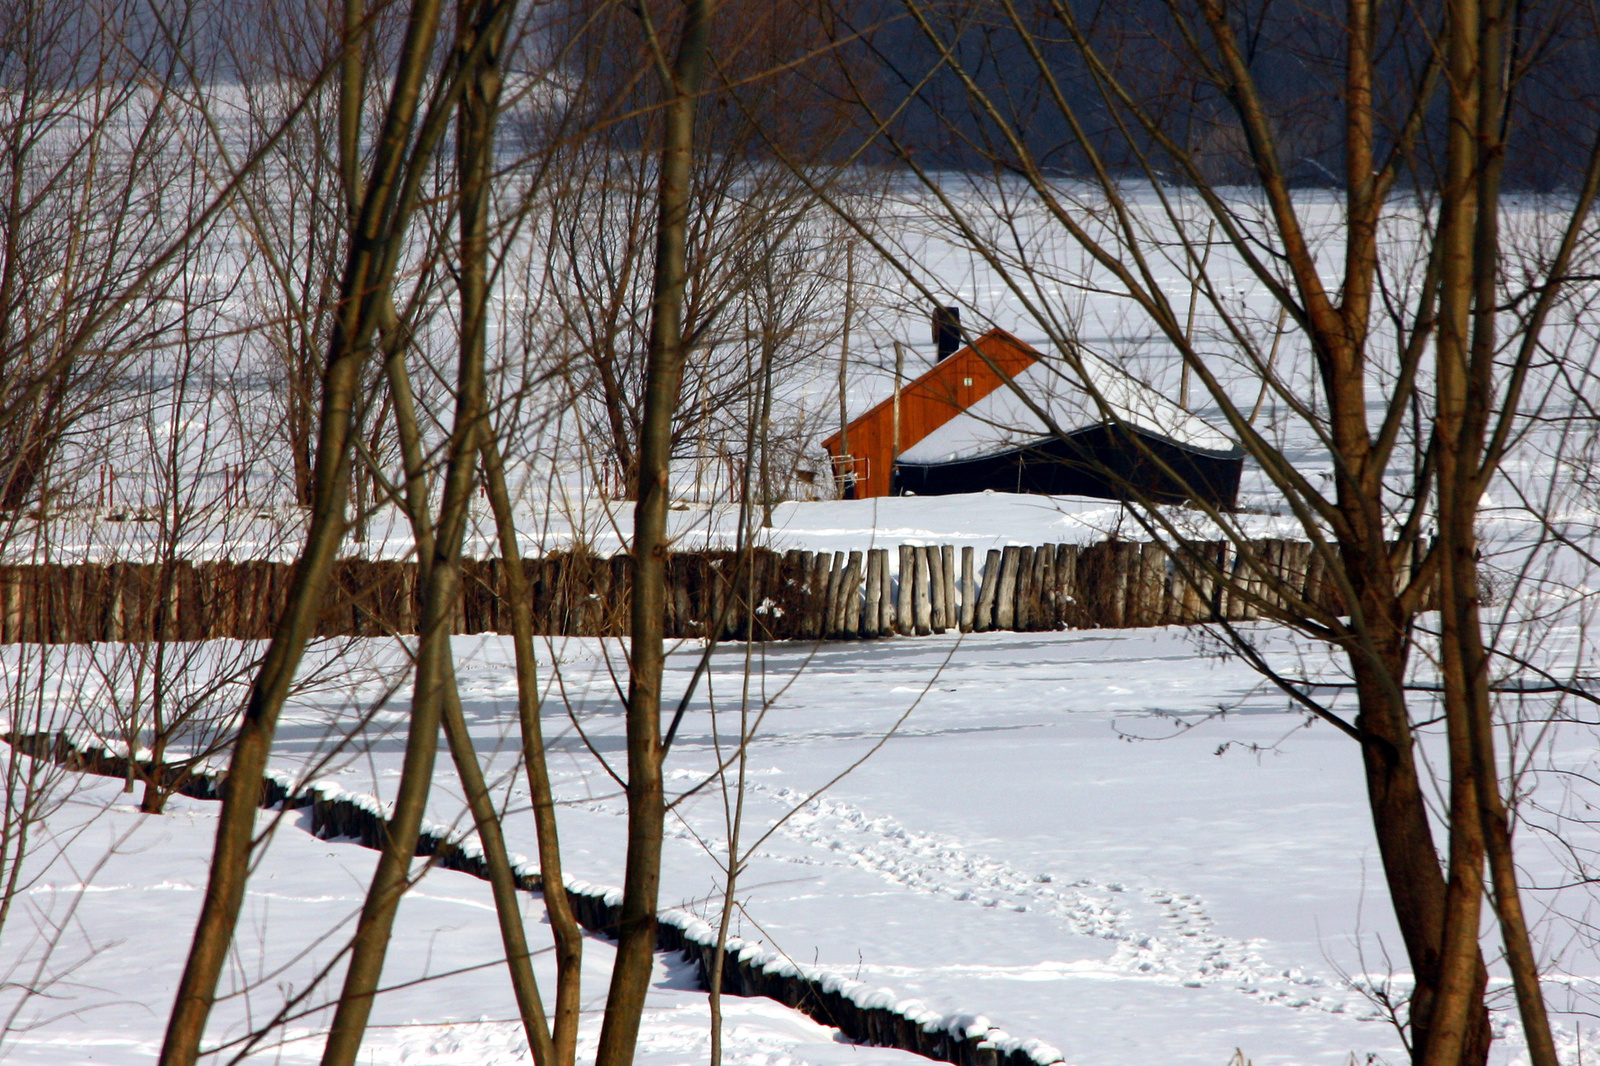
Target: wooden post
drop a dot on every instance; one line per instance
(803, 596)
(816, 594)
(852, 597)
(983, 616)
(886, 616)
(1044, 564)
(790, 587)
(1316, 574)
(847, 468)
(1022, 618)
(1246, 559)
(8, 588)
(899, 376)
(1277, 592)
(1221, 600)
(833, 616)
(922, 608)
(871, 617)
(1005, 604)
(1291, 572)
(1067, 606)
(908, 568)
(1151, 582)
(936, 613)
(948, 569)
(1125, 559)
(969, 593)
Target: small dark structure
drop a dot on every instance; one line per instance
(1102, 461)
(946, 331)
(1124, 442)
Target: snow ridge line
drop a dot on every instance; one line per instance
(867, 1015)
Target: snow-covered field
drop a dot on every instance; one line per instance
(1106, 841)
(127, 888)
(1117, 843)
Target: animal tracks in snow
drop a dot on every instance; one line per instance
(1155, 933)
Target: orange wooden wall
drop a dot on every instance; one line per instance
(927, 403)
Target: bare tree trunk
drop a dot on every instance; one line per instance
(367, 276)
(563, 923)
(474, 153)
(630, 976)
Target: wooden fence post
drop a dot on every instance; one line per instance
(936, 612)
(1005, 604)
(1022, 612)
(874, 606)
(983, 617)
(817, 612)
(852, 597)
(921, 605)
(833, 617)
(904, 625)
(1151, 579)
(969, 593)
(947, 567)
(886, 611)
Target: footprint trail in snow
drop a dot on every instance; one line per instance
(1186, 948)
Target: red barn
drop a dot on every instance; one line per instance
(947, 389)
(959, 431)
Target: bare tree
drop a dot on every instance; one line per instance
(1410, 263)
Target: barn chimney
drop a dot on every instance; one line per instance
(947, 330)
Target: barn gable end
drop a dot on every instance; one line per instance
(947, 389)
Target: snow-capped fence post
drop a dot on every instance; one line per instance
(798, 595)
(800, 599)
(817, 597)
(1022, 614)
(874, 607)
(908, 567)
(1316, 570)
(1298, 565)
(952, 618)
(921, 603)
(13, 604)
(1152, 580)
(969, 592)
(1124, 586)
(852, 597)
(1039, 586)
(983, 617)
(1005, 604)
(1062, 585)
(886, 616)
(833, 617)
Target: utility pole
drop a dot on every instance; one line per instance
(899, 376)
(846, 466)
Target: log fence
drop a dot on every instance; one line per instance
(793, 595)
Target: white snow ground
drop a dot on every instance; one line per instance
(124, 891)
(1009, 851)
(1043, 840)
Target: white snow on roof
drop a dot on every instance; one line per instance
(1002, 421)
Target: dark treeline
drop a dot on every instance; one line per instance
(829, 53)
(1295, 50)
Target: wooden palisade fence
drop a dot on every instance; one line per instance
(795, 595)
